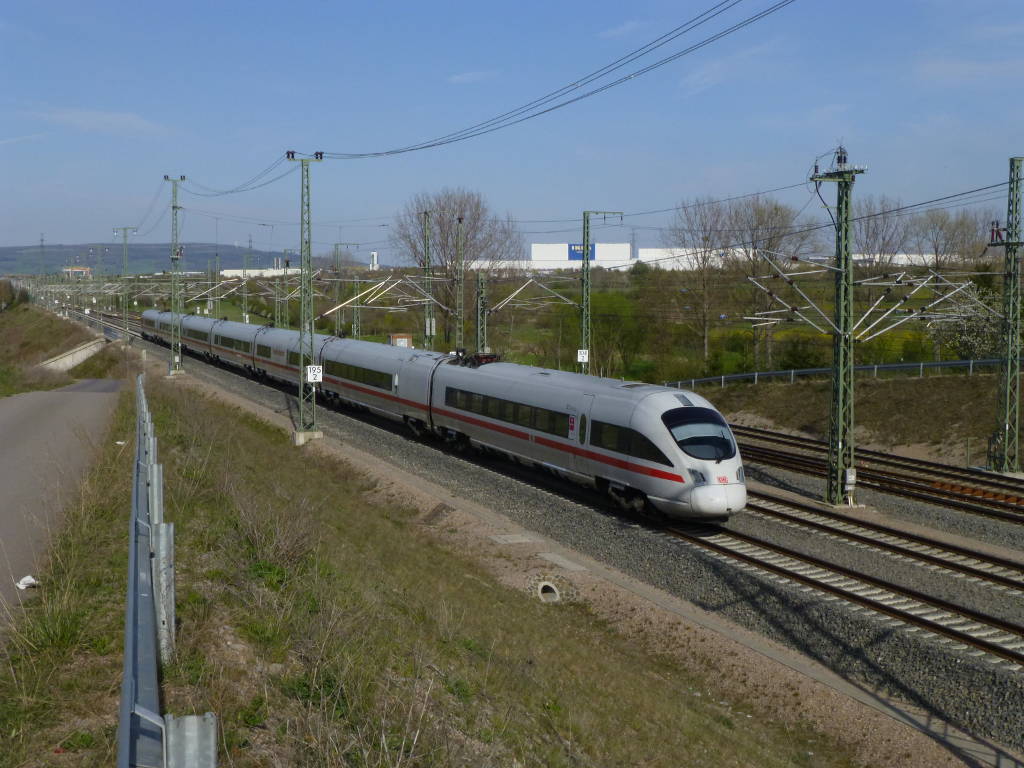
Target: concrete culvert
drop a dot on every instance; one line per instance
(548, 592)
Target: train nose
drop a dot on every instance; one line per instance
(718, 500)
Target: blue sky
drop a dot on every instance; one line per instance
(101, 99)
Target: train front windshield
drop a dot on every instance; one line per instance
(701, 433)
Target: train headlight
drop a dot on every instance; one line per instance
(698, 477)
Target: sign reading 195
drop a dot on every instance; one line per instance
(314, 374)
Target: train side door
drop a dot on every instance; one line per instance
(581, 431)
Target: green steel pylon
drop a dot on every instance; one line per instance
(841, 473)
(428, 308)
(245, 283)
(481, 312)
(307, 358)
(585, 351)
(124, 232)
(177, 308)
(460, 287)
(1007, 439)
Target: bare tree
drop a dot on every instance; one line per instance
(762, 225)
(876, 232)
(699, 230)
(490, 243)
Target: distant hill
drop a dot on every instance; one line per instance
(142, 257)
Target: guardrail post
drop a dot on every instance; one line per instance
(970, 370)
(163, 582)
(920, 374)
(755, 377)
(792, 375)
(723, 382)
(876, 370)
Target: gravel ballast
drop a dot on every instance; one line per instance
(883, 655)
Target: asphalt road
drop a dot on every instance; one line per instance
(45, 447)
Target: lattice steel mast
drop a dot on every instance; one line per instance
(1007, 439)
(841, 472)
(481, 312)
(460, 286)
(177, 307)
(124, 232)
(306, 427)
(585, 352)
(428, 308)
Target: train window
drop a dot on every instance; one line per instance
(508, 411)
(524, 415)
(642, 448)
(542, 419)
(492, 407)
(700, 432)
(559, 424)
(451, 397)
(476, 403)
(583, 429)
(293, 358)
(604, 435)
(244, 346)
(264, 351)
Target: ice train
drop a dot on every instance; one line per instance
(642, 444)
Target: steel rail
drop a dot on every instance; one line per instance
(903, 550)
(894, 484)
(995, 649)
(991, 479)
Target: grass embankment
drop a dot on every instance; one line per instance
(28, 335)
(326, 628)
(940, 411)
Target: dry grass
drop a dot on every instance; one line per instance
(936, 410)
(326, 629)
(29, 335)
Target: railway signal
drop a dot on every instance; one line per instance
(175, 367)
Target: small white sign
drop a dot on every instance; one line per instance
(582, 355)
(314, 374)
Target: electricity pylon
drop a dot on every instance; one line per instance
(306, 428)
(841, 473)
(124, 232)
(428, 308)
(1007, 439)
(174, 366)
(481, 312)
(460, 286)
(585, 352)
(339, 315)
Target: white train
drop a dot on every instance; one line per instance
(640, 443)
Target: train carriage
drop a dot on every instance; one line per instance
(642, 444)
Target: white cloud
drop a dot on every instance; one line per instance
(16, 139)
(623, 29)
(949, 70)
(724, 68)
(473, 77)
(101, 121)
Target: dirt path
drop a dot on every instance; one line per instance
(46, 441)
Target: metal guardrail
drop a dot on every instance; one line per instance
(792, 374)
(145, 738)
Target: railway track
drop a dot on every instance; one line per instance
(994, 571)
(974, 491)
(972, 631)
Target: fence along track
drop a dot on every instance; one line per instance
(1003, 641)
(998, 572)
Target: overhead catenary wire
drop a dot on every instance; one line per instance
(543, 106)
